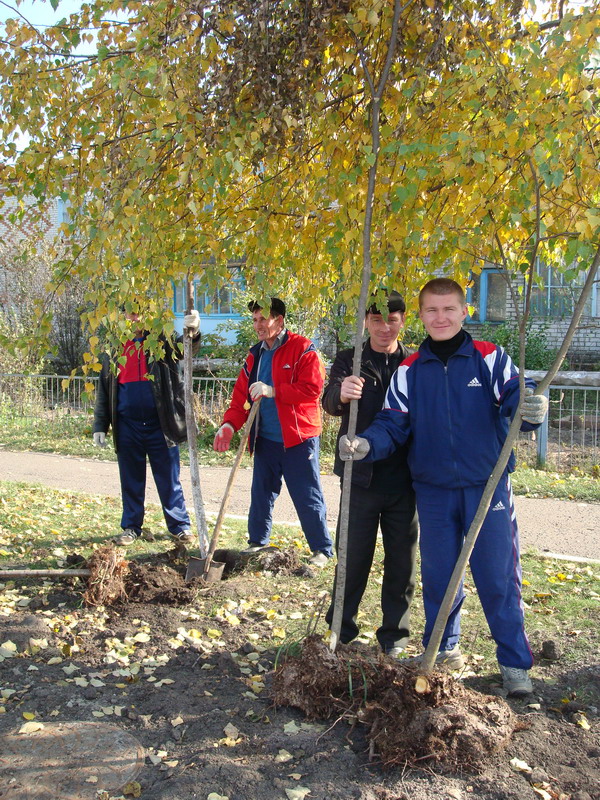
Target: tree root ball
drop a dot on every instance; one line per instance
(449, 726)
(106, 584)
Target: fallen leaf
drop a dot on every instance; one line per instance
(297, 794)
(28, 715)
(230, 730)
(132, 789)
(580, 720)
(283, 756)
(177, 721)
(31, 727)
(519, 766)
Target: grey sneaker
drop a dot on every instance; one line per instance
(128, 536)
(395, 652)
(318, 559)
(185, 537)
(449, 659)
(515, 681)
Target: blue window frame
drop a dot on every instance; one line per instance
(208, 304)
(487, 295)
(558, 294)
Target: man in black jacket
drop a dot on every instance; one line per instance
(382, 493)
(141, 397)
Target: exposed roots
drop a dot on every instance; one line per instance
(106, 584)
(450, 727)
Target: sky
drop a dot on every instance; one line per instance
(38, 12)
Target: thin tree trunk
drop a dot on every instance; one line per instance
(342, 544)
(484, 504)
(192, 432)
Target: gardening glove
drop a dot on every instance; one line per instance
(354, 450)
(534, 407)
(260, 389)
(223, 438)
(99, 439)
(191, 323)
(351, 388)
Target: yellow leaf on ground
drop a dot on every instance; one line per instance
(31, 727)
(28, 715)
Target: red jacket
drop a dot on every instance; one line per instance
(298, 378)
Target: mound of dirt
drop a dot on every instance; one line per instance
(449, 725)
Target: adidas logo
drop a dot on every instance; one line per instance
(499, 506)
(474, 382)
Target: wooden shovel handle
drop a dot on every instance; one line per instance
(232, 474)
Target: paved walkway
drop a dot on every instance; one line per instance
(549, 526)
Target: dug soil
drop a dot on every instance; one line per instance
(201, 700)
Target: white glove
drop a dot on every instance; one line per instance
(99, 439)
(354, 450)
(260, 389)
(534, 407)
(191, 322)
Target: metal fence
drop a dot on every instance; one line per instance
(568, 439)
(29, 399)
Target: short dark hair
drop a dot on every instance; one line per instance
(442, 286)
(277, 307)
(395, 302)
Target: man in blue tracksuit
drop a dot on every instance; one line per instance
(454, 398)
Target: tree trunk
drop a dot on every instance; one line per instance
(192, 433)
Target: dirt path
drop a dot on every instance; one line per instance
(552, 526)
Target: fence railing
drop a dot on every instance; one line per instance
(569, 438)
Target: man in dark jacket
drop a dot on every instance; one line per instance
(141, 397)
(382, 493)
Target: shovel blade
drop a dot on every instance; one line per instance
(196, 569)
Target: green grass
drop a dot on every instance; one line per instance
(40, 527)
(72, 436)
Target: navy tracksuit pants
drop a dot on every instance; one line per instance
(299, 465)
(136, 440)
(445, 516)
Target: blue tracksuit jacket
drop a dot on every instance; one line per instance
(458, 414)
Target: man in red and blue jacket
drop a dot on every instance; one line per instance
(452, 401)
(285, 371)
(141, 397)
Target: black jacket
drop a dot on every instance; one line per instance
(374, 390)
(167, 388)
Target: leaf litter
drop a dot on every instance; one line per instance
(158, 659)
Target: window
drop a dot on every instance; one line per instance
(207, 303)
(487, 294)
(559, 293)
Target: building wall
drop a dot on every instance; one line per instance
(27, 227)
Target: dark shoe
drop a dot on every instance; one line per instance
(515, 681)
(126, 537)
(318, 559)
(253, 548)
(185, 537)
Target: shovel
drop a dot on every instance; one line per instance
(212, 571)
